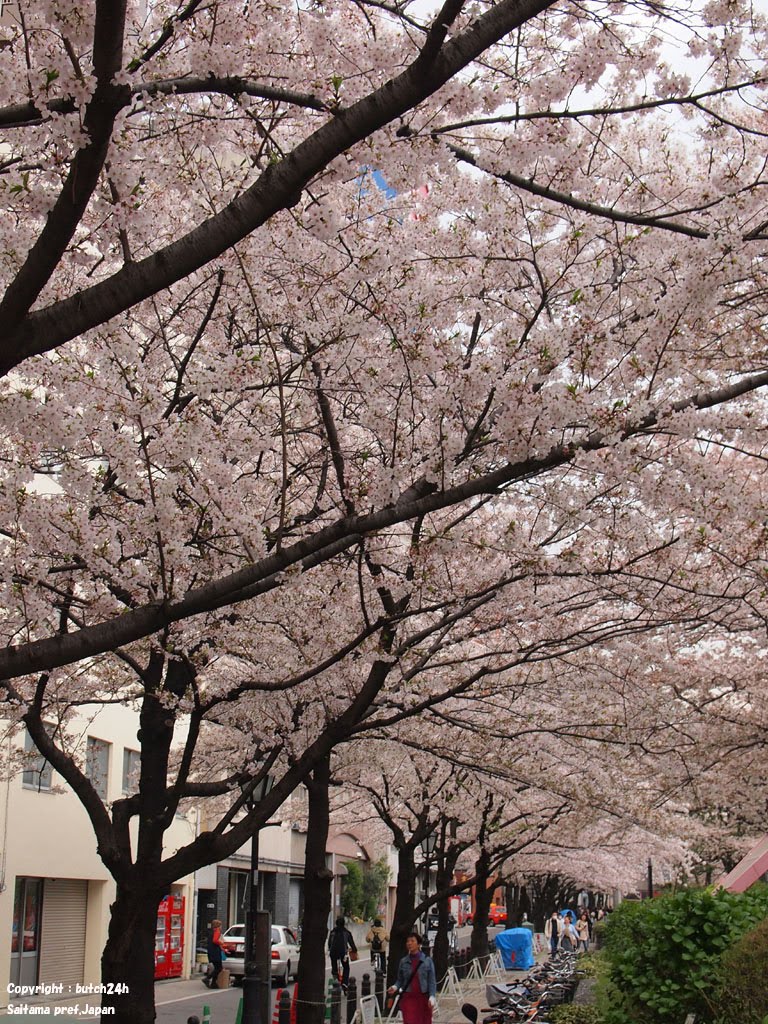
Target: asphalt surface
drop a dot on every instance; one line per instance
(176, 999)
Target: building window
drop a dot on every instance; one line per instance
(97, 764)
(131, 766)
(38, 774)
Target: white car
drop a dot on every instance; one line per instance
(285, 952)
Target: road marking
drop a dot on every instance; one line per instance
(183, 999)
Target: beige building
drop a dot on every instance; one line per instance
(55, 892)
(222, 889)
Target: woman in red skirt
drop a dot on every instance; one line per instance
(416, 983)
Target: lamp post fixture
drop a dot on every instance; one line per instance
(258, 929)
(428, 844)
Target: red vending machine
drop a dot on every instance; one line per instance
(169, 938)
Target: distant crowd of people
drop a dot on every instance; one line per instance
(570, 932)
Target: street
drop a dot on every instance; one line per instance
(177, 1000)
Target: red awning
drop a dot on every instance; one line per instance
(749, 870)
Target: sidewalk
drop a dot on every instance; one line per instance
(469, 990)
(176, 998)
(66, 1007)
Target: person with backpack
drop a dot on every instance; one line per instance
(340, 944)
(377, 938)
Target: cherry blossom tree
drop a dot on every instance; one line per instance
(719, 769)
(545, 787)
(552, 316)
(289, 411)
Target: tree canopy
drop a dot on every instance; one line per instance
(358, 355)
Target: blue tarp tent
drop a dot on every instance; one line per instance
(516, 948)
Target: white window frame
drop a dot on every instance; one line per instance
(39, 774)
(131, 766)
(97, 755)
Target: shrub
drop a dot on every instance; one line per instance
(743, 994)
(572, 1013)
(590, 964)
(598, 933)
(664, 954)
(352, 890)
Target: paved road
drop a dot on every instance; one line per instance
(177, 1000)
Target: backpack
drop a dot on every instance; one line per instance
(337, 946)
(376, 943)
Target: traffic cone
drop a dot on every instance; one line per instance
(293, 1002)
(276, 1007)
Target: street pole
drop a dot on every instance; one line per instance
(258, 934)
(650, 878)
(251, 980)
(427, 844)
(427, 943)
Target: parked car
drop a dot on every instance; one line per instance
(497, 914)
(285, 952)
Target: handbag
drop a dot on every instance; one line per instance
(353, 954)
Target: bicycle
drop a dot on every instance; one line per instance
(377, 960)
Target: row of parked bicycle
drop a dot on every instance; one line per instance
(532, 998)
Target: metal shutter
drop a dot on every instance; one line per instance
(62, 950)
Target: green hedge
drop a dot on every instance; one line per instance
(743, 991)
(598, 933)
(664, 955)
(572, 1013)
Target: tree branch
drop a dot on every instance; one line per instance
(260, 577)
(62, 221)
(279, 187)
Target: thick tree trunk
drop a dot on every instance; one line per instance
(317, 901)
(512, 901)
(128, 960)
(443, 881)
(478, 943)
(518, 903)
(440, 945)
(543, 893)
(402, 923)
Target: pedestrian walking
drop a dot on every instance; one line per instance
(340, 945)
(416, 983)
(215, 956)
(583, 930)
(552, 932)
(569, 938)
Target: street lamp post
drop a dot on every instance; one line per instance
(428, 844)
(258, 930)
